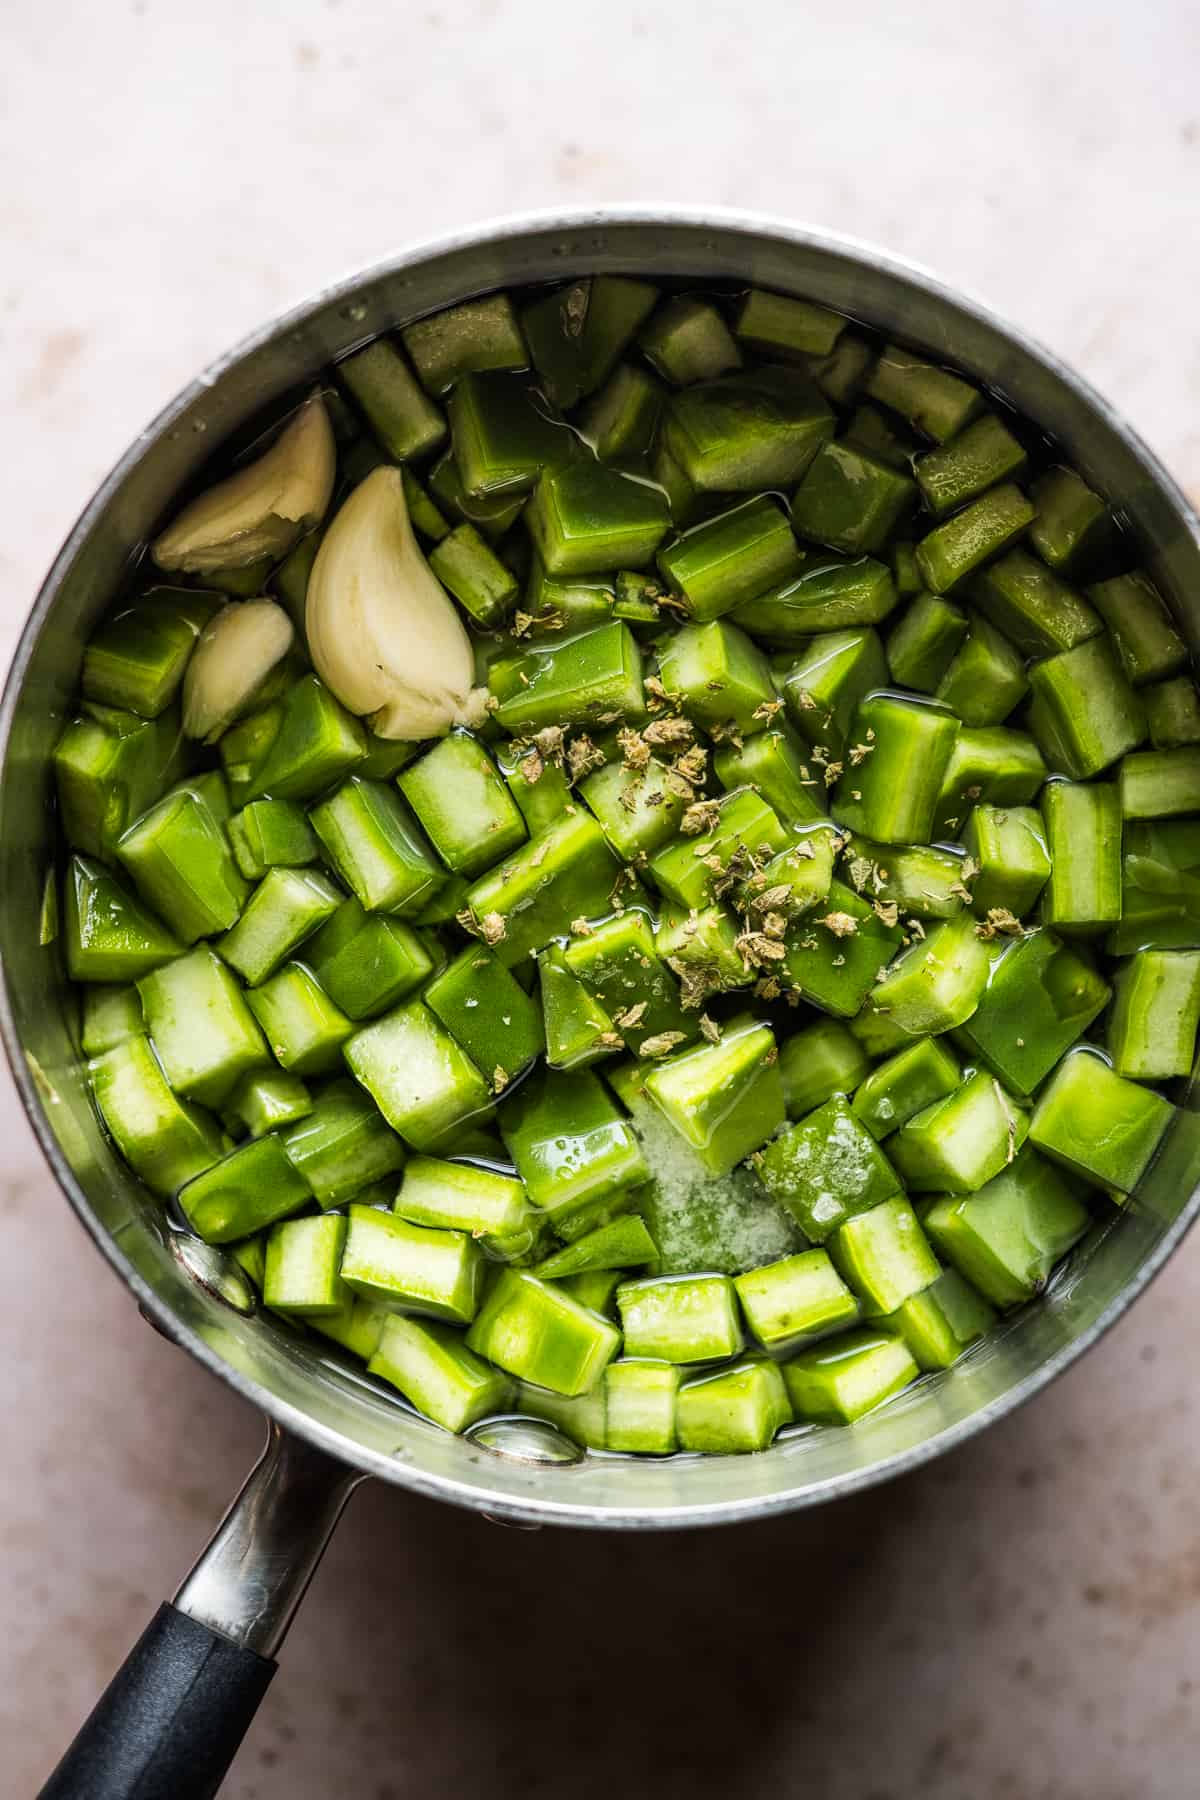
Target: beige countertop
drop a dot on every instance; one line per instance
(1019, 1621)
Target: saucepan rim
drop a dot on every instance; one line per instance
(404, 1472)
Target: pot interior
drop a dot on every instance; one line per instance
(331, 1402)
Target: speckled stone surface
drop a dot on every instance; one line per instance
(1022, 1620)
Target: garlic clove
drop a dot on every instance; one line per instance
(234, 654)
(261, 510)
(382, 632)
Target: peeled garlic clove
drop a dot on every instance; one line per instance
(234, 654)
(264, 508)
(382, 631)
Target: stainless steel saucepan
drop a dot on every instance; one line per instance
(171, 1721)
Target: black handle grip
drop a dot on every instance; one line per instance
(170, 1722)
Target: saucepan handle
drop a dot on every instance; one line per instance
(171, 1720)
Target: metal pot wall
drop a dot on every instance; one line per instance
(174, 1717)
